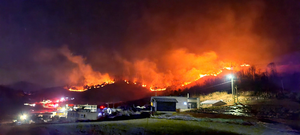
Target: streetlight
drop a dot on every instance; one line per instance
(231, 76)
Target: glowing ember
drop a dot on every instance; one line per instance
(77, 90)
(245, 65)
(161, 89)
(202, 75)
(228, 68)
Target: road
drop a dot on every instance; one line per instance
(145, 126)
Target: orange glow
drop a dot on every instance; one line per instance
(245, 65)
(202, 75)
(161, 89)
(176, 68)
(228, 68)
(77, 90)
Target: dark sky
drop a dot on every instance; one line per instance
(114, 35)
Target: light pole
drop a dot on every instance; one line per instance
(232, 88)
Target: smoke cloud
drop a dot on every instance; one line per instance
(168, 43)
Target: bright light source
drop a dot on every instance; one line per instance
(230, 76)
(184, 103)
(63, 109)
(202, 75)
(23, 117)
(228, 68)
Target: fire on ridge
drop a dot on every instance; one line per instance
(151, 88)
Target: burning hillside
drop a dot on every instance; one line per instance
(180, 69)
(172, 44)
(164, 47)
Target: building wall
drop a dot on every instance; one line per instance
(88, 116)
(182, 103)
(72, 115)
(179, 105)
(93, 108)
(82, 115)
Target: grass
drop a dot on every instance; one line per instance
(140, 126)
(222, 116)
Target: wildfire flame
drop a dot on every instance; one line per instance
(78, 89)
(185, 68)
(161, 89)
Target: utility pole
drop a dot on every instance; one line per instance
(236, 93)
(232, 88)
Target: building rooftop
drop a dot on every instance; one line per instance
(165, 100)
(211, 101)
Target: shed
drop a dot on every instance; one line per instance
(164, 104)
(209, 103)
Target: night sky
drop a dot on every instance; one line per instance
(110, 35)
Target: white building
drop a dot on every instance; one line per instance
(93, 108)
(171, 103)
(82, 114)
